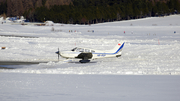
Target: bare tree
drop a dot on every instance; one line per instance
(15, 8)
(38, 3)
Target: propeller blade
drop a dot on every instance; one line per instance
(58, 57)
(58, 53)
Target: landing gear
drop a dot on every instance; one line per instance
(118, 56)
(84, 61)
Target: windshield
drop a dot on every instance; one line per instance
(74, 49)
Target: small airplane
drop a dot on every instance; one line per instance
(86, 54)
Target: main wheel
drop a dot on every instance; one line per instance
(84, 61)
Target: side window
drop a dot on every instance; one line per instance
(92, 51)
(81, 50)
(87, 50)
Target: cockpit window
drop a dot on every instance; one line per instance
(79, 50)
(82, 50)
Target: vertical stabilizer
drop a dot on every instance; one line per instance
(118, 48)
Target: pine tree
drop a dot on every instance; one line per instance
(177, 5)
(3, 8)
(129, 11)
(154, 11)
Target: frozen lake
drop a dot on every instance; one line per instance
(38, 87)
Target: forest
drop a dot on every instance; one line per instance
(98, 11)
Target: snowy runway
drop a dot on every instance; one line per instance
(152, 49)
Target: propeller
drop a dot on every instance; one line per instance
(58, 53)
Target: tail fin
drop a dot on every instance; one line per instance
(118, 48)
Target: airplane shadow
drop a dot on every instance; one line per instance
(76, 62)
(16, 64)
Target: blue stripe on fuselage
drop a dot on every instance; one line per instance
(112, 53)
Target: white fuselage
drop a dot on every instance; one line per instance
(70, 54)
(117, 51)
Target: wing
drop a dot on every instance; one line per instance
(85, 56)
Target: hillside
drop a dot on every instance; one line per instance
(18, 7)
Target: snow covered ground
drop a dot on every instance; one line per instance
(148, 49)
(152, 47)
(57, 87)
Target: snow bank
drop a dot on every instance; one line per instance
(49, 23)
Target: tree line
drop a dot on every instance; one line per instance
(3, 8)
(99, 11)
